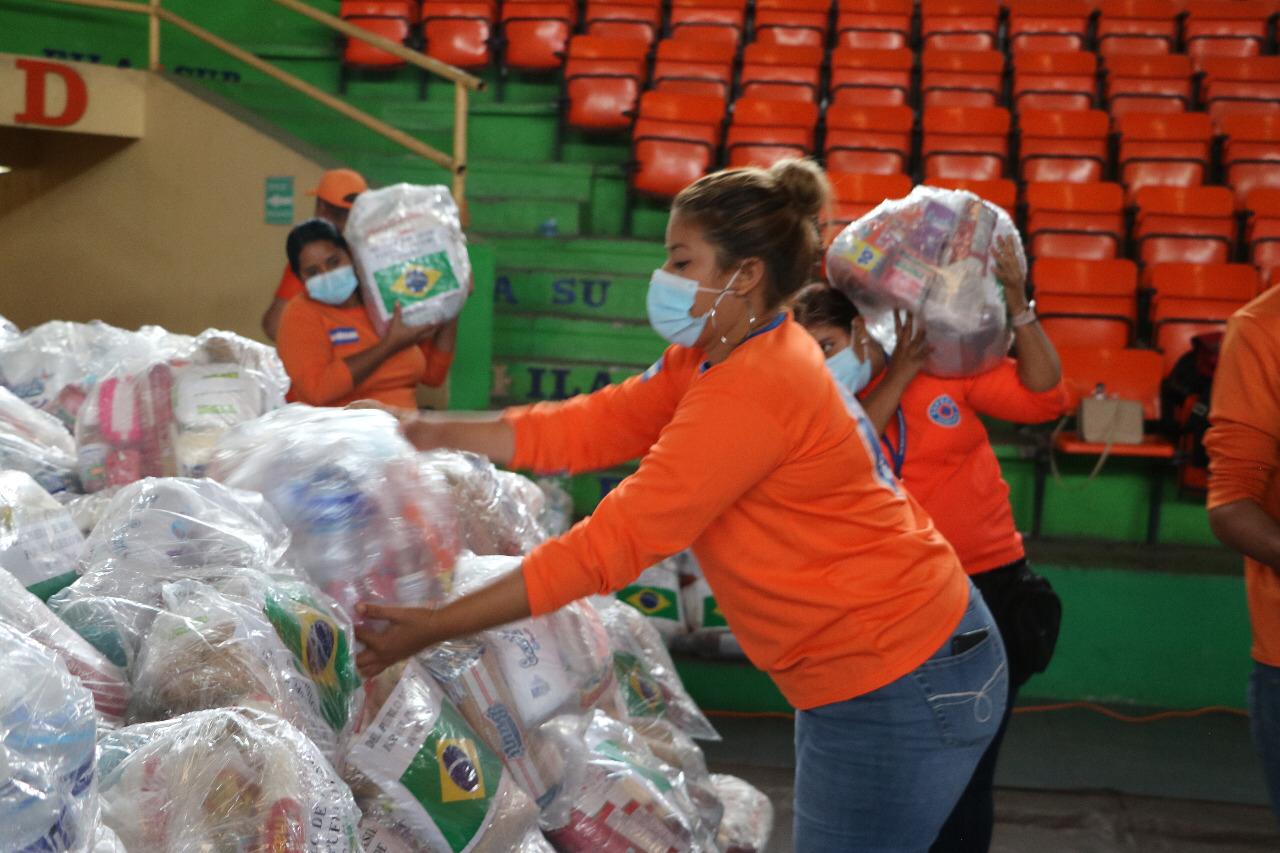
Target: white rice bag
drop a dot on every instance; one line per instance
(656, 594)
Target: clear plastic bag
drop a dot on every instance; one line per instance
(17, 417)
(709, 633)
(409, 249)
(931, 253)
(557, 515)
(426, 782)
(158, 531)
(48, 799)
(227, 779)
(748, 815)
(40, 542)
(52, 366)
(651, 687)
(617, 795)
(494, 508)
(87, 510)
(29, 616)
(656, 594)
(7, 329)
(250, 641)
(52, 467)
(368, 523)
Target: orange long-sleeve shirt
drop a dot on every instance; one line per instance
(948, 463)
(314, 340)
(833, 579)
(1244, 447)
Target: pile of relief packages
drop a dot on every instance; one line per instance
(180, 558)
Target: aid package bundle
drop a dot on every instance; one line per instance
(409, 250)
(931, 253)
(368, 523)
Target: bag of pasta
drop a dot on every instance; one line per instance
(930, 253)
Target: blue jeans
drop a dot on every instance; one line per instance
(1264, 720)
(879, 773)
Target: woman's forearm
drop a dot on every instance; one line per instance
(1038, 366)
(881, 402)
(1245, 527)
(364, 363)
(486, 433)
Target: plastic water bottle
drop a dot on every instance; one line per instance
(47, 732)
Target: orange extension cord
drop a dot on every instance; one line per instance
(1038, 709)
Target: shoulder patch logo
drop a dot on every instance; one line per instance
(340, 335)
(944, 412)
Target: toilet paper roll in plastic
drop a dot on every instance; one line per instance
(931, 253)
(409, 249)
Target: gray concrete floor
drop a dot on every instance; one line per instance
(1075, 782)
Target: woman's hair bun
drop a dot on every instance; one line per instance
(804, 183)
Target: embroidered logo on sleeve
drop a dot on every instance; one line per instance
(340, 335)
(944, 412)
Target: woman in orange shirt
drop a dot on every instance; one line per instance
(833, 579)
(328, 345)
(939, 448)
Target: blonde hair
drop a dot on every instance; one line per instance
(769, 214)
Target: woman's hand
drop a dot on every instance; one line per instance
(912, 350)
(403, 637)
(400, 334)
(1010, 275)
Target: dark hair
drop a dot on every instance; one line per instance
(768, 214)
(306, 233)
(820, 304)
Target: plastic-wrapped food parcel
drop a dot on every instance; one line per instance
(931, 253)
(409, 250)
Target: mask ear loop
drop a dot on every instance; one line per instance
(751, 321)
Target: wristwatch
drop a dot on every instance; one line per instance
(1026, 318)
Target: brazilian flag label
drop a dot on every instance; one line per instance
(711, 615)
(319, 649)
(643, 694)
(653, 601)
(415, 280)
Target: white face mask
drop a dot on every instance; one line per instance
(670, 300)
(850, 371)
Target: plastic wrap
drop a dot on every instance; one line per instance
(709, 633)
(87, 510)
(650, 685)
(676, 749)
(426, 782)
(409, 249)
(37, 443)
(508, 681)
(155, 532)
(124, 430)
(656, 594)
(7, 329)
(368, 522)
(617, 795)
(931, 253)
(748, 815)
(19, 418)
(48, 800)
(39, 540)
(492, 508)
(29, 616)
(251, 641)
(223, 780)
(53, 366)
(557, 514)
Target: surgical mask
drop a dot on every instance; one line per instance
(850, 371)
(333, 287)
(669, 302)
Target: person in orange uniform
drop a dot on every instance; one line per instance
(1244, 499)
(335, 194)
(939, 447)
(832, 577)
(328, 344)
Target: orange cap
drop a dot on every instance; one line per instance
(339, 187)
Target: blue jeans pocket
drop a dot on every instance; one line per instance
(967, 692)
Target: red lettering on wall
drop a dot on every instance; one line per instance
(35, 113)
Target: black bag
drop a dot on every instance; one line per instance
(1184, 405)
(1028, 613)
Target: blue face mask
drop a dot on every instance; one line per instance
(850, 371)
(333, 287)
(669, 302)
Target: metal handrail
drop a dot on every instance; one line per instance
(463, 83)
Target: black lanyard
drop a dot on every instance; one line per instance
(898, 454)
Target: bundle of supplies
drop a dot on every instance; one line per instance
(37, 443)
(931, 253)
(160, 413)
(24, 613)
(252, 641)
(748, 815)
(709, 633)
(409, 251)
(508, 681)
(232, 779)
(52, 366)
(368, 522)
(427, 782)
(39, 540)
(617, 795)
(498, 514)
(155, 532)
(656, 594)
(48, 799)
